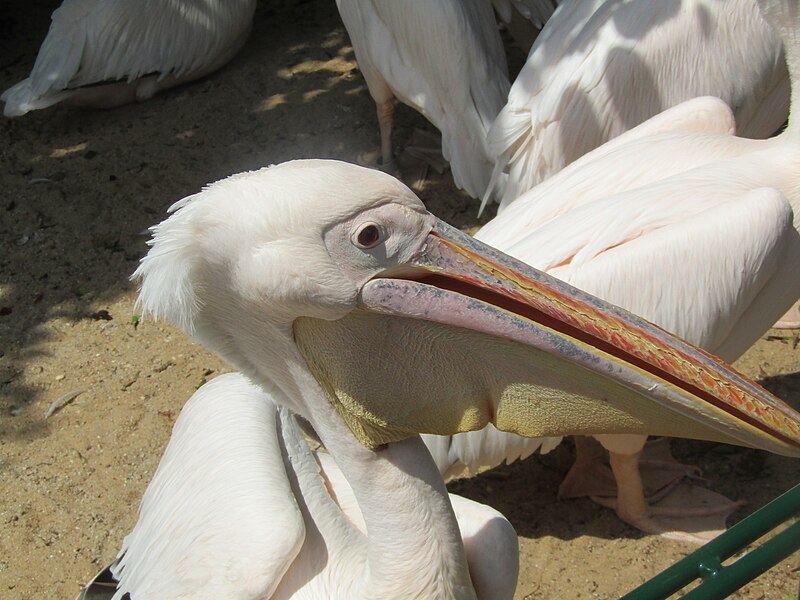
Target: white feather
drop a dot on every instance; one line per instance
(601, 67)
(220, 513)
(148, 44)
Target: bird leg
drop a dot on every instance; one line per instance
(383, 159)
(385, 123)
(673, 507)
(790, 320)
(687, 513)
(423, 150)
(630, 504)
(646, 488)
(589, 475)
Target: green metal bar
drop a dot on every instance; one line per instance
(706, 562)
(749, 566)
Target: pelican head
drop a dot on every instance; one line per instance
(411, 326)
(238, 263)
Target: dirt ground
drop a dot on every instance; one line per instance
(78, 189)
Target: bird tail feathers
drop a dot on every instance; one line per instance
(469, 160)
(21, 99)
(509, 140)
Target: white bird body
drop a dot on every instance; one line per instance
(240, 507)
(744, 235)
(714, 209)
(133, 48)
(601, 67)
(694, 229)
(445, 60)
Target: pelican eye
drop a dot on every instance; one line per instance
(368, 236)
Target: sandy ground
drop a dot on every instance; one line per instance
(77, 190)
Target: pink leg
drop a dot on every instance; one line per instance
(791, 320)
(671, 507)
(695, 515)
(385, 122)
(589, 475)
(631, 506)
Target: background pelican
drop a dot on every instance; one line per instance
(603, 66)
(110, 52)
(224, 267)
(445, 60)
(676, 220)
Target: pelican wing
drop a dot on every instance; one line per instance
(472, 452)
(57, 63)
(468, 49)
(693, 262)
(219, 515)
(93, 41)
(600, 68)
(668, 144)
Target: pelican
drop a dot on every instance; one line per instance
(105, 53)
(333, 290)
(444, 59)
(677, 220)
(600, 67)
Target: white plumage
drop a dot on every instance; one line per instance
(678, 221)
(240, 507)
(134, 48)
(444, 59)
(600, 67)
(469, 454)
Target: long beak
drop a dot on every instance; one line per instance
(465, 335)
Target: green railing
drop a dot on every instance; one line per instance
(705, 563)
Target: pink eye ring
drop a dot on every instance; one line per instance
(368, 236)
